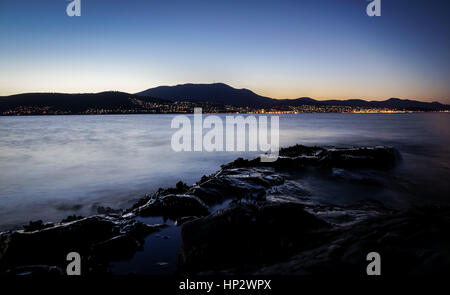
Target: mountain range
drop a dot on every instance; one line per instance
(74, 103)
(224, 94)
(217, 93)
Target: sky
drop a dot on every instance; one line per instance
(324, 49)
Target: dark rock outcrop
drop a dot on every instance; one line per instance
(283, 239)
(247, 233)
(301, 156)
(37, 225)
(108, 211)
(179, 189)
(410, 243)
(173, 206)
(230, 183)
(50, 246)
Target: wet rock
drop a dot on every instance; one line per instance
(179, 221)
(173, 206)
(290, 191)
(139, 230)
(108, 210)
(249, 183)
(367, 157)
(241, 163)
(118, 248)
(122, 246)
(50, 246)
(250, 179)
(162, 264)
(180, 188)
(71, 218)
(357, 178)
(300, 156)
(347, 215)
(301, 150)
(37, 225)
(35, 270)
(248, 233)
(410, 243)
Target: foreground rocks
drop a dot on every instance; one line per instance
(349, 158)
(416, 242)
(247, 233)
(252, 218)
(100, 239)
(290, 241)
(173, 206)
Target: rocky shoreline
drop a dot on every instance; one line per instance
(250, 217)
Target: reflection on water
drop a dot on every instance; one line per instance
(161, 251)
(59, 165)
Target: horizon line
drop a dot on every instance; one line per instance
(244, 88)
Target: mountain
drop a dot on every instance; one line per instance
(162, 100)
(74, 103)
(219, 93)
(410, 104)
(298, 101)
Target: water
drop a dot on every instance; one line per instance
(159, 254)
(54, 166)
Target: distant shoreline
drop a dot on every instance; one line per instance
(236, 113)
(212, 98)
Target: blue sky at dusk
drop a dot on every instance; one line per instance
(283, 49)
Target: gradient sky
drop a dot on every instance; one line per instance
(284, 49)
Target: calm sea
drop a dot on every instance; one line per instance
(54, 166)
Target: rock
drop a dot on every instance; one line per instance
(301, 150)
(371, 157)
(173, 206)
(410, 243)
(118, 248)
(35, 270)
(50, 246)
(71, 218)
(108, 210)
(162, 263)
(299, 156)
(179, 221)
(180, 188)
(37, 225)
(347, 215)
(123, 246)
(241, 163)
(232, 183)
(247, 233)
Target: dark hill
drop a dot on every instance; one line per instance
(221, 93)
(75, 103)
(216, 93)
